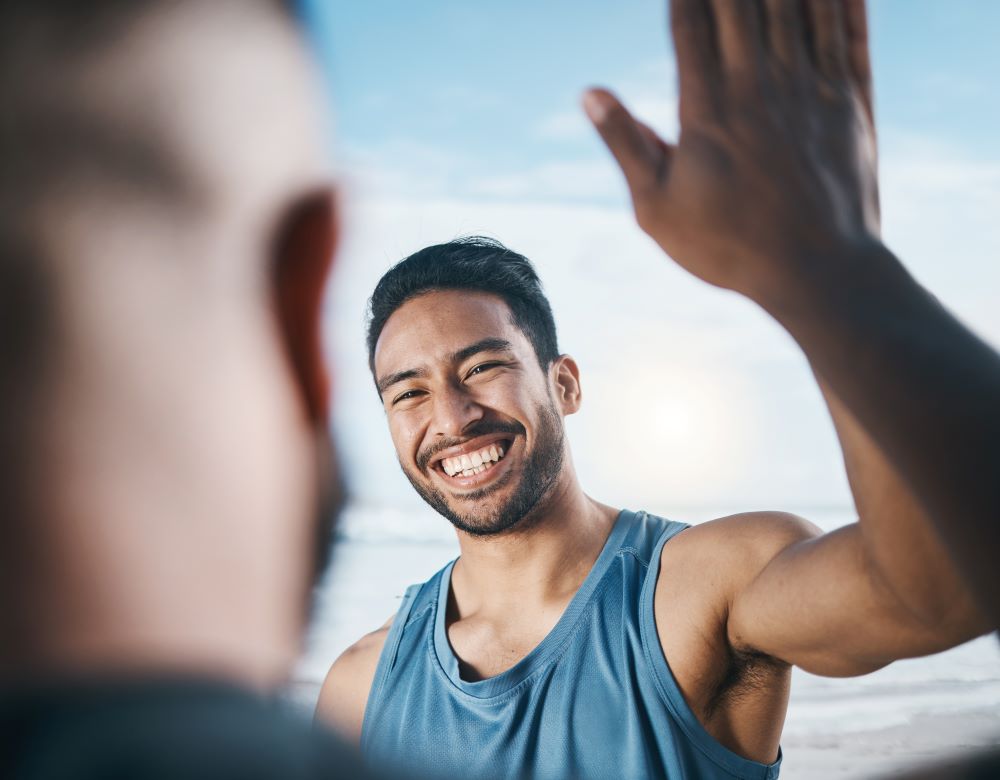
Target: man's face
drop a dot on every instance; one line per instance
(470, 410)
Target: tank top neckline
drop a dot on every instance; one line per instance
(507, 682)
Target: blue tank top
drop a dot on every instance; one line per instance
(596, 699)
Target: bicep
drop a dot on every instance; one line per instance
(819, 604)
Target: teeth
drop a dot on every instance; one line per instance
(472, 463)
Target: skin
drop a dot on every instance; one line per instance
(771, 191)
(180, 441)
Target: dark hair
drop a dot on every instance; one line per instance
(470, 263)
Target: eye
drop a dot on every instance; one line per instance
(406, 396)
(482, 367)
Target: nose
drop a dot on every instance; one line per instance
(454, 411)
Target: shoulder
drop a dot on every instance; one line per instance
(705, 568)
(166, 727)
(737, 546)
(703, 571)
(344, 694)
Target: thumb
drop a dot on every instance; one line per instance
(641, 154)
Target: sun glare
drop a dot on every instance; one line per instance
(676, 434)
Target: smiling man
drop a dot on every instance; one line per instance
(553, 646)
(571, 639)
(492, 343)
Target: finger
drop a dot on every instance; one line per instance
(829, 38)
(740, 34)
(858, 52)
(663, 152)
(693, 34)
(640, 153)
(787, 34)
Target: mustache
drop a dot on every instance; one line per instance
(478, 428)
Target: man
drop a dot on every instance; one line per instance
(570, 639)
(165, 230)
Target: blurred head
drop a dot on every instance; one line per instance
(166, 227)
(462, 346)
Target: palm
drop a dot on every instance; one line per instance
(774, 165)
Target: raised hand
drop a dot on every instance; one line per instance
(774, 175)
(772, 191)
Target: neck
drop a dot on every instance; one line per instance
(544, 562)
(167, 608)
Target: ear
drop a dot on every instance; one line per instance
(565, 376)
(303, 256)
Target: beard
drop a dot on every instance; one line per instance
(540, 472)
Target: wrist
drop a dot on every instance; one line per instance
(848, 274)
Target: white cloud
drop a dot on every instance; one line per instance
(556, 182)
(649, 92)
(940, 209)
(402, 168)
(412, 170)
(564, 126)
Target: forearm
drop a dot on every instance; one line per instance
(920, 384)
(900, 548)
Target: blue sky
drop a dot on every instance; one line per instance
(477, 78)
(461, 117)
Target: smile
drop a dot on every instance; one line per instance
(465, 466)
(473, 463)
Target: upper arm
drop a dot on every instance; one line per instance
(344, 694)
(815, 600)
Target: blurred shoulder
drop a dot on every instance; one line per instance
(163, 727)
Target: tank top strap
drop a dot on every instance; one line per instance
(415, 598)
(667, 686)
(647, 534)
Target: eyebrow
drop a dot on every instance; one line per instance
(483, 345)
(400, 376)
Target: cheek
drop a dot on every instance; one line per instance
(515, 395)
(405, 437)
